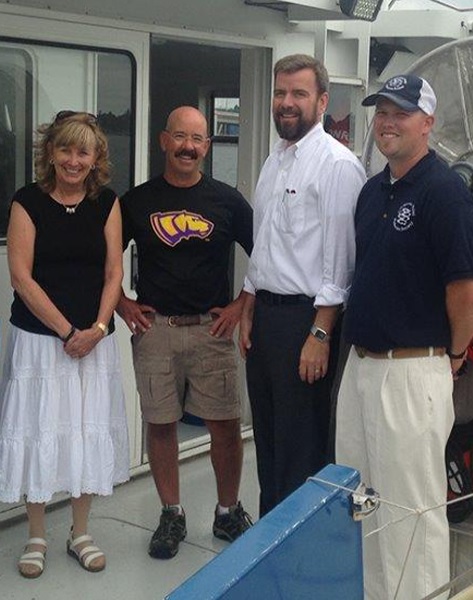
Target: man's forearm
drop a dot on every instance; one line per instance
(326, 317)
(459, 302)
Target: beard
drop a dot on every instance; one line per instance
(296, 129)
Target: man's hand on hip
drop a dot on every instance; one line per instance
(134, 314)
(227, 317)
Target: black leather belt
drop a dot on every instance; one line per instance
(277, 299)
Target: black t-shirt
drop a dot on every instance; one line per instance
(69, 257)
(184, 237)
(412, 238)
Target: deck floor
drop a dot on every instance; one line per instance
(122, 525)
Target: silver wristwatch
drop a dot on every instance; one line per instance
(319, 334)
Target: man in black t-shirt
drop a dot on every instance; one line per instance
(184, 225)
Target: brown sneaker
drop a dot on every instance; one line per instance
(171, 530)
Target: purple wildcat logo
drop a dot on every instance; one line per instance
(175, 226)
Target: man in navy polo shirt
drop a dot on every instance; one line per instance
(409, 320)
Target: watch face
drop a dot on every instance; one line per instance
(319, 334)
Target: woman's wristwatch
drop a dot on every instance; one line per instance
(103, 328)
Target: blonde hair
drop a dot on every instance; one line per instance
(68, 129)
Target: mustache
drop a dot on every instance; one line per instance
(187, 153)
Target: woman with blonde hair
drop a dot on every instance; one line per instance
(62, 411)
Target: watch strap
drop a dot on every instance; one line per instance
(456, 356)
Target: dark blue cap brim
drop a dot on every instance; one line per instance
(401, 102)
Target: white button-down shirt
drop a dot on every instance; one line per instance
(304, 206)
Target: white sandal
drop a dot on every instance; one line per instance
(87, 555)
(33, 559)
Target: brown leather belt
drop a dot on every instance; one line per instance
(186, 320)
(401, 352)
(182, 320)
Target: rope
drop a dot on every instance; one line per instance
(412, 512)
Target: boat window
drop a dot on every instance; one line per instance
(225, 131)
(38, 80)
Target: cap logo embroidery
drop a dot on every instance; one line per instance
(404, 219)
(396, 83)
(175, 226)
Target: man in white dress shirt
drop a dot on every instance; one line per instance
(298, 279)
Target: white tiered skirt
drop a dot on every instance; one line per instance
(62, 420)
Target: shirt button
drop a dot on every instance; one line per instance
(385, 216)
(391, 197)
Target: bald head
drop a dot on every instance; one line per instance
(186, 114)
(185, 141)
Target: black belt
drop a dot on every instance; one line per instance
(278, 299)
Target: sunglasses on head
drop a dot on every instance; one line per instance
(62, 115)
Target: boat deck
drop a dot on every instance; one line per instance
(122, 525)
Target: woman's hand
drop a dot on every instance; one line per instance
(83, 341)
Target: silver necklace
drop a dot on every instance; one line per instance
(69, 208)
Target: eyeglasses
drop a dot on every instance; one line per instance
(180, 138)
(62, 115)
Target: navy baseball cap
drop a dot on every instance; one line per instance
(409, 92)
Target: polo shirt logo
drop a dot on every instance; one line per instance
(175, 226)
(404, 219)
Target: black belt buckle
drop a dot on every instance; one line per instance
(360, 351)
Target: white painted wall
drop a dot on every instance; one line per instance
(228, 17)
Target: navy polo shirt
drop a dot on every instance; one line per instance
(413, 237)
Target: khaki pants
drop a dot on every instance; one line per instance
(185, 368)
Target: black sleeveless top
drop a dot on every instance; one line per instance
(69, 257)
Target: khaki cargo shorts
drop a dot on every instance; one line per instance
(185, 369)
